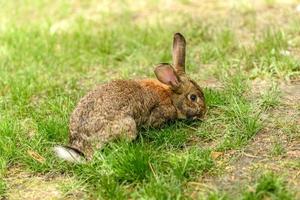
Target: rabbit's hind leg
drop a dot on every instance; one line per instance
(123, 128)
(119, 128)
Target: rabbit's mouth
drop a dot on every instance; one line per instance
(195, 117)
(192, 115)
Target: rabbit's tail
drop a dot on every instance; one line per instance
(69, 154)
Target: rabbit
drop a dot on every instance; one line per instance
(118, 109)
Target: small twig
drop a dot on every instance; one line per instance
(297, 174)
(36, 156)
(200, 185)
(196, 183)
(190, 127)
(249, 155)
(152, 170)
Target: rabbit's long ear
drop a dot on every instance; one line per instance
(167, 75)
(179, 46)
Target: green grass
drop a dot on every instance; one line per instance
(269, 186)
(271, 56)
(2, 187)
(239, 118)
(277, 149)
(44, 74)
(271, 98)
(144, 168)
(217, 196)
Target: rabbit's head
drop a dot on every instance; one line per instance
(186, 95)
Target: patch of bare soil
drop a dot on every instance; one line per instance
(275, 148)
(23, 185)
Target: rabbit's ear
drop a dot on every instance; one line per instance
(179, 53)
(167, 75)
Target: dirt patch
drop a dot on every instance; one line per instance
(23, 185)
(275, 148)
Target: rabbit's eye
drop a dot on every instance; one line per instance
(193, 97)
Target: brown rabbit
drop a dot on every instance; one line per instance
(119, 108)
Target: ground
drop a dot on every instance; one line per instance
(245, 54)
(271, 149)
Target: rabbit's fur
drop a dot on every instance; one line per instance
(119, 108)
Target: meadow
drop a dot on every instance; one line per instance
(244, 54)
